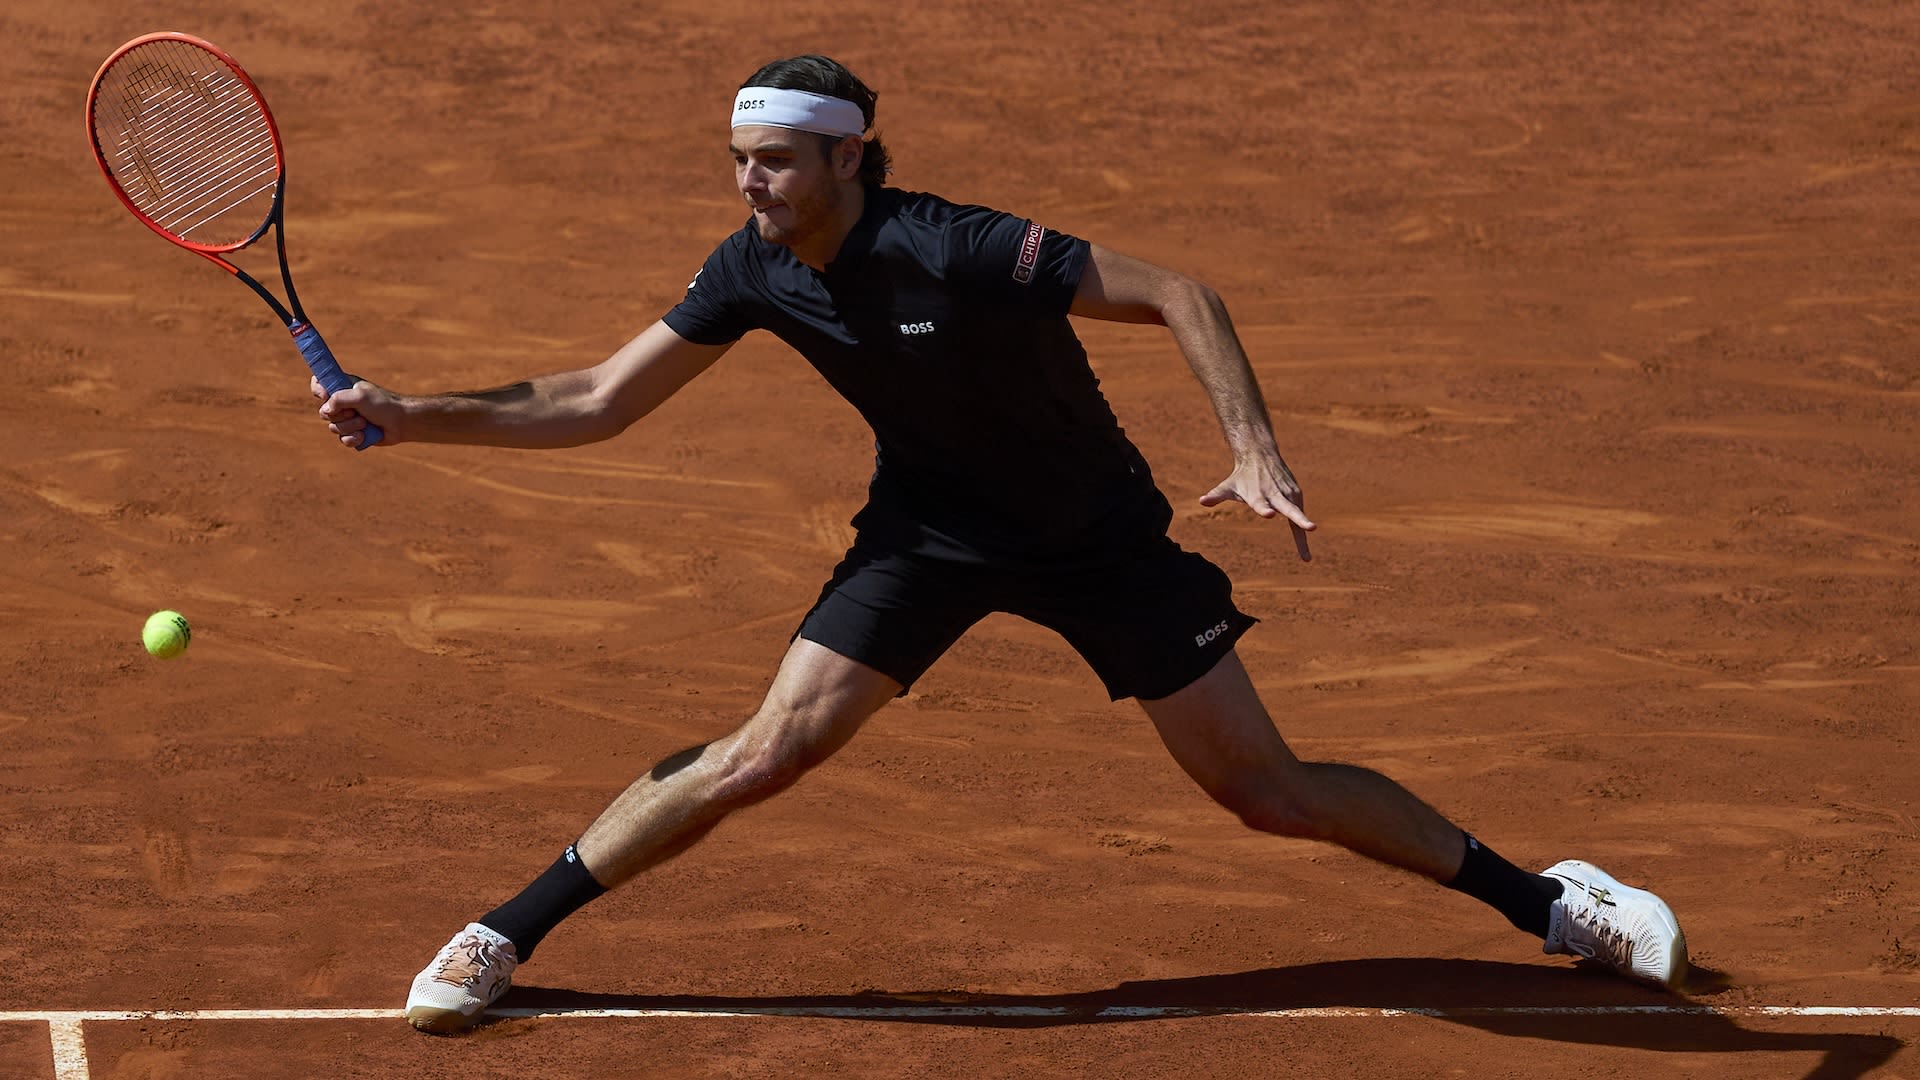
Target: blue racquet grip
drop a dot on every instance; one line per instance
(327, 370)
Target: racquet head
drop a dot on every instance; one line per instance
(187, 142)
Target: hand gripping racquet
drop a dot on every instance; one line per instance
(186, 140)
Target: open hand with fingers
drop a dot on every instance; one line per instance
(1262, 481)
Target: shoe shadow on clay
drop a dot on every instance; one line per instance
(1480, 994)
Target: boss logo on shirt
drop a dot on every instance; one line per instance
(1029, 253)
(1200, 640)
(912, 328)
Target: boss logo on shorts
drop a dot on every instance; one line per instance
(912, 328)
(1029, 253)
(1200, 640)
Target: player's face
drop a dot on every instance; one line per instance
(788, 180)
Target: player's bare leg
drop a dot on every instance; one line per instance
(818, 701)
(1219, 732)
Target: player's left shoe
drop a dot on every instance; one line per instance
(467, 975)
(1629, 930)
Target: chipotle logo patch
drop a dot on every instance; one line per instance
(1029, 253)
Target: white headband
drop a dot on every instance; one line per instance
(798, 110)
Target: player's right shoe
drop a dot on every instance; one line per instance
(467, 975)
(1629, 930)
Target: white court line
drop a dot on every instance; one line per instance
(69, 1018)
(70, 1048)
(1169, 1012)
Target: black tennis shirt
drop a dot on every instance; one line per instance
(946, 326)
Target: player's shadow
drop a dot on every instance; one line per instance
(1457, 987)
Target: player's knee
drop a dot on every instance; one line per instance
(749, 774)
(767, 757)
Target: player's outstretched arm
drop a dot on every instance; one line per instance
(568, 408)
(1119, 288)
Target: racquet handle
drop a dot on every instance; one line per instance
(327, 370)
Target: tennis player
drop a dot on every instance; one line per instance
(1002, 483)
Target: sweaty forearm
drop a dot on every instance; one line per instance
(540, 413)
(1200, 325)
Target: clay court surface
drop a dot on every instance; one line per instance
(1589, 329)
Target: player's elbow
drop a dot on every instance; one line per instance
(610, 406)
(606, 416)
(1184, 300)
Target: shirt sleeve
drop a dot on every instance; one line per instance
(1011, 260)
(713, 311)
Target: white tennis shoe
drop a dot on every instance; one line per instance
(1629, 930)
(467, 975)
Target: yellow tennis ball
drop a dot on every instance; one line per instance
(166, 634)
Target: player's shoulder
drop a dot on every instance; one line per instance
(926, 208)
(955, 230)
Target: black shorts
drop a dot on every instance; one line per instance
(1148, 617)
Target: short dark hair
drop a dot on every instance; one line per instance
(828, 77)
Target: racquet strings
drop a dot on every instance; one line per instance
(188, 143)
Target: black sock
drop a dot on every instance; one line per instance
(565, 888)
(1525, 899)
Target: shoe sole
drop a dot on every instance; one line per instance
(1677, 963)
(438, 1021)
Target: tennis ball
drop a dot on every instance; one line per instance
(166, 634)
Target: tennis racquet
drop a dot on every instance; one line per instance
(187, 143)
